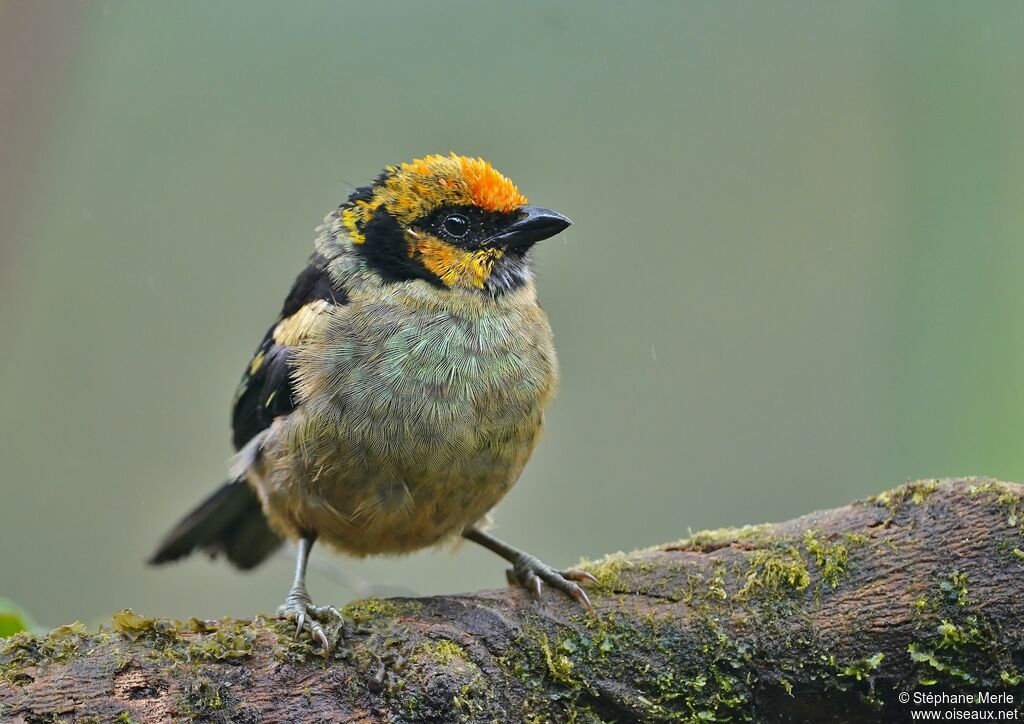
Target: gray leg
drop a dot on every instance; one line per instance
(530, 572)
(300, 605)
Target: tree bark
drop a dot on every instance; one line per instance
(829, 617)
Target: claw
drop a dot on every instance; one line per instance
(580, 595)
(532, 574)
(537, 587)
(306, 615)
(574, 574)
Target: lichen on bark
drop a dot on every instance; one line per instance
(822, 618)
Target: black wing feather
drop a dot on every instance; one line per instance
(231, 521)
(265, 391)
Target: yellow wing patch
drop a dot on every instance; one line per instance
(257, 362)
(416, 188)
(291, 330)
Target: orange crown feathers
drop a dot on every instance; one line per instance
(416, 188)
(491, 190)
(477, 180)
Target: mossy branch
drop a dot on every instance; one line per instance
(825, 618)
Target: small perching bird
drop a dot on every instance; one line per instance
(401, 390)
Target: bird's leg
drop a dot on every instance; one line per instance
(299, 605)
(530, 572)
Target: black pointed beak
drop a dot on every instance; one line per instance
(534, 224)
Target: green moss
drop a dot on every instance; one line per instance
(444, 651)
(958, 646)
(709, 540)
(412, 673)
(371, 610)
(774, 573)
(953, 635)
(609, 569)
(712, 693)
(855, 539)
(1011, 678)
(923, 604)
(775, 565)
(695, 673)
(1001, 492)
(63, 641)
(559, 665)
(937, 665)
(121, 660)
(955, 588)
(366, 616)
(862, 669)
(714, 587)
(468, 703)
(24, 649)
(411, 704)
(197, 640)
(475, 696)
(201, 698)
(831, 558)
(1004, 496)
(134, 627)
(531, 660)
(916, 492)
(228, 640)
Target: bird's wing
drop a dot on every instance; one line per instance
(231, 520)
(265, 391)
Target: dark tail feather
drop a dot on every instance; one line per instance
(230, 521)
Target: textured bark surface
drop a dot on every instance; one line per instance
(828, 617)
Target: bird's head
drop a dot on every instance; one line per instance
(451, 220)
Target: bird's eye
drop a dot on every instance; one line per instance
(456, 225)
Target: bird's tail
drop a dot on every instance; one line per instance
(230, 521)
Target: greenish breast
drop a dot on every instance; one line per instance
(414, 419)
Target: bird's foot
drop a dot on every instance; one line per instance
(313, 619)
(532, 573)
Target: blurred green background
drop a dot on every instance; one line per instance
(794, 277)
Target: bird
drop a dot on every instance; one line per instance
(400, 392)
